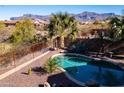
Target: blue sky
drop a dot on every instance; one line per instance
(18, 10)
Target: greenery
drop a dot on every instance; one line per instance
(5, 47)
(61, 25)
(116, 28)
(39, 38)
(51, 65)
(24, 32)
(5, 34)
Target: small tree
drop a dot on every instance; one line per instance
(23, 32)
(51, 65)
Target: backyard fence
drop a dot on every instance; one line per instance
(17, 56)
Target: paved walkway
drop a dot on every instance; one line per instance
(18, 78)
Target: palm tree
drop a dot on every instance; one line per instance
(61, 25)
(51, 65)
(117, 29)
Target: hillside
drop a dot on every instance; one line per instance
(84, 16)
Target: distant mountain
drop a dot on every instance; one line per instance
(31, 16)
(92, 16)
(84, 16)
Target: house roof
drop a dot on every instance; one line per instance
(15, 21)
(9, 22)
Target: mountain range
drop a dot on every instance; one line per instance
(84, 16)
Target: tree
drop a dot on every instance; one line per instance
(73, 34)
(116, 29)
(61, 25)
(23, 32)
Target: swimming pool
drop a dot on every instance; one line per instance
(84, 70)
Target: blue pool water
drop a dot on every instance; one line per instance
(86, 70)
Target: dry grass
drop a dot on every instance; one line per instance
(89, 27)
(5, 47)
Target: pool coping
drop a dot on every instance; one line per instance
(74, 80)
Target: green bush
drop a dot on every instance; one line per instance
(51, 65)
